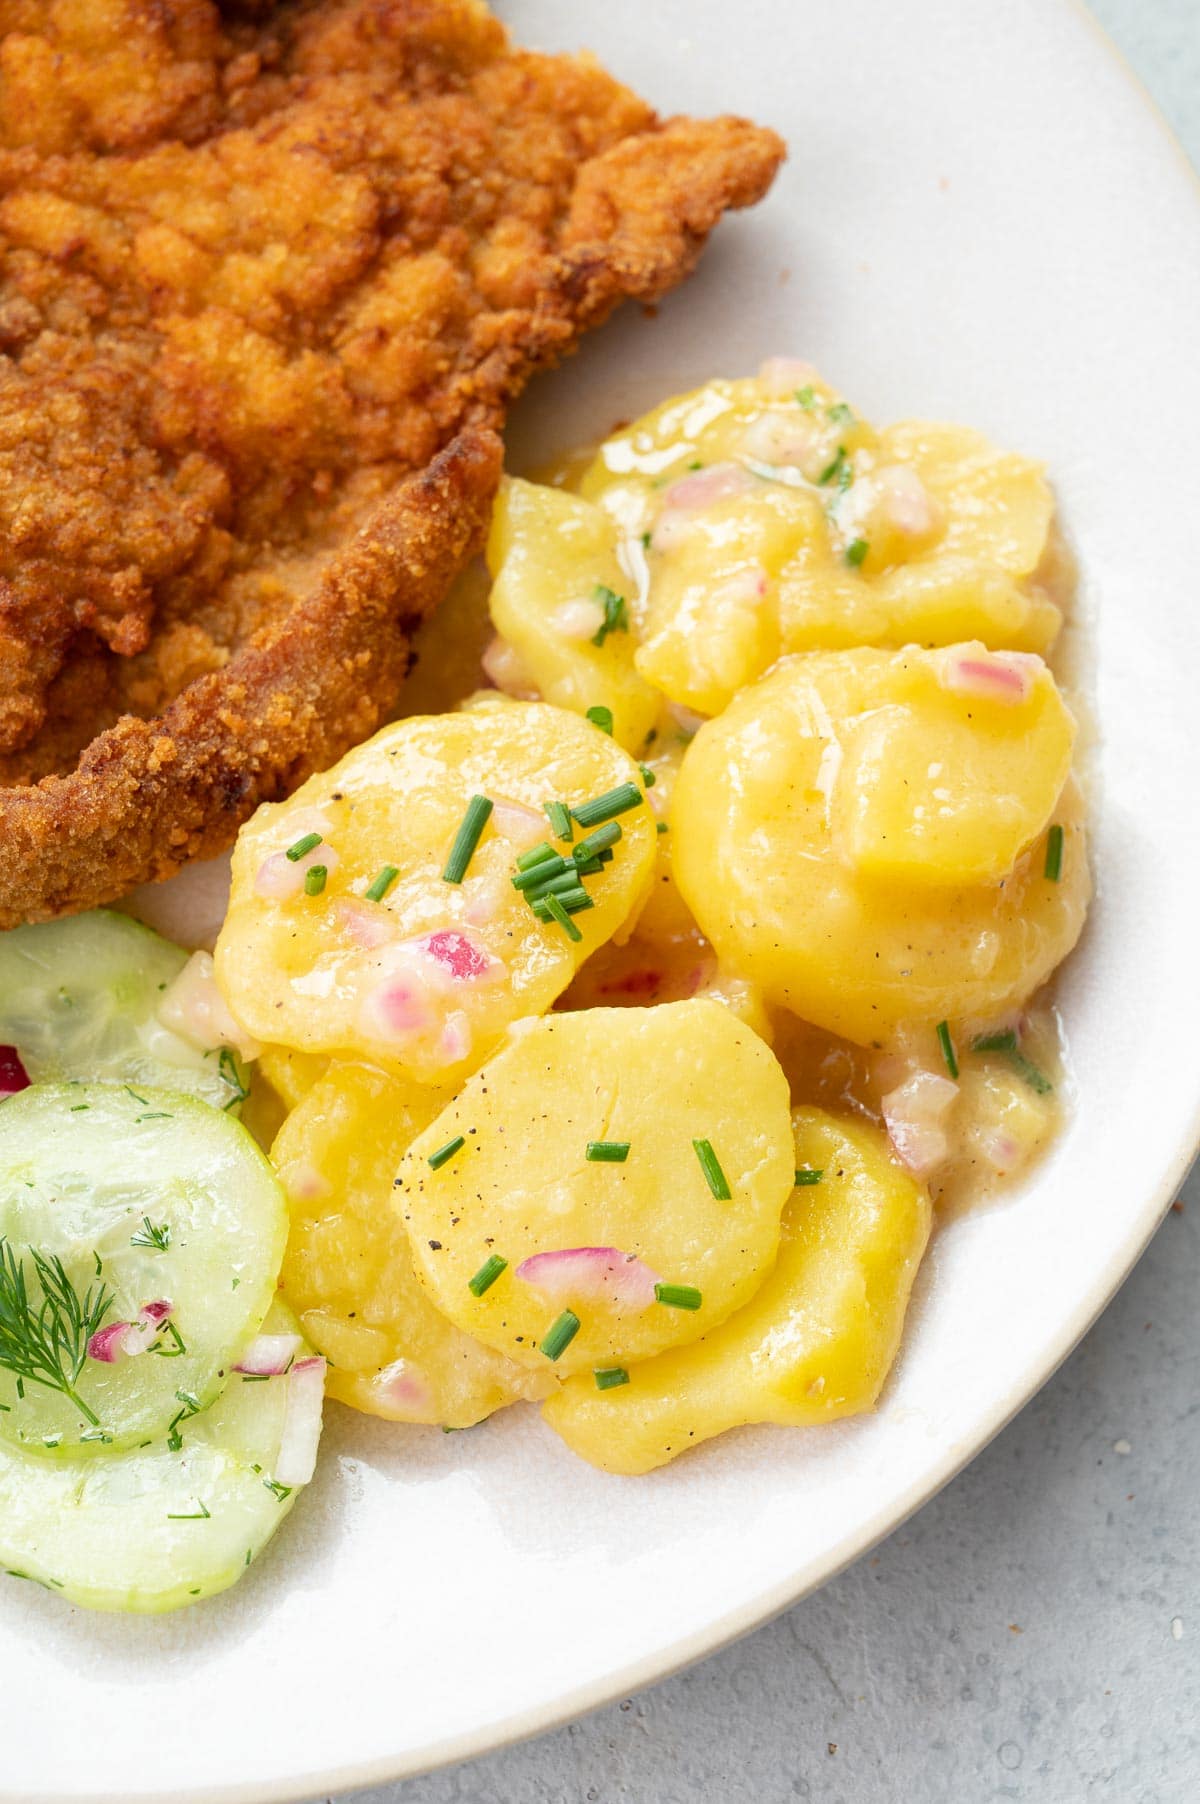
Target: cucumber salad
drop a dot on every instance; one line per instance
(159, 1407)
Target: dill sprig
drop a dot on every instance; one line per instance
(46, 1342)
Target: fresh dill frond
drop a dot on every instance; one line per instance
(45, 1341)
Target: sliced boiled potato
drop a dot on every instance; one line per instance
(427, 977)
(766, 515)
(814, 1344)
(769, 852)
(504, 1173)
(348, 1270)
(562, 601)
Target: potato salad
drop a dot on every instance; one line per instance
(605, 1034)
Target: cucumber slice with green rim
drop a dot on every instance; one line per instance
(79, 999)
(153, 1529)
(111, 1199)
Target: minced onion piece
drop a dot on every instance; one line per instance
(601, 1274)
(913, 1114)
(13, 1075)
(128, 1339)
(1000, 676)
(269, 1355)
(297, 1457)
(193, 1007)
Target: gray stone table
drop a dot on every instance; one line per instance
(1034, 1633)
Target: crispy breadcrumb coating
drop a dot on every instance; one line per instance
(257, 267)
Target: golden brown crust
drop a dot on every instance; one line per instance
(257, 266)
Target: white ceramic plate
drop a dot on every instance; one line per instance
(983, 219)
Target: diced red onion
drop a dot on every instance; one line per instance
(503, 666)
(128, 1339)
(303, 1182)
(456, 1039)
(747, 588)
(464, 958)
(904, 500)
(269, 1354)
(368, 925)
(399, 1007)
(193, 1007)
(403, 1389)
(580, 618)
(297, 1457)
(520, 826)
(484, 896)
(913, 1115)
(13, 1075)
(600, 1274)
(280, 877)
(1003, 676)
(781, 376)
(702, 488)
(107, 1344)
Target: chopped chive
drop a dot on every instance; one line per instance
(467, 838)
(438, 1159)
(487, 1274)
(607, 1152)
(616, 613)
(598, 841)
(648, 776)
(710, 1165)
(841, 413)
(833, 469)
(587, 867)
(947, 1046)
(609, 1377)
(574, 901)
(296, 852)
(806, 396)
(856, 552)
(542, 872)
(808, 1174)
(560, 1334)
(536, 855)
(661, 827)
(558, 911)
(314, 879)
(601, 717)
(200, 1515)
(678, 1296)
(610, 804)
(554, 886)
(559, 816)
(1054, 853)
(1024, 1067)
(382, 882)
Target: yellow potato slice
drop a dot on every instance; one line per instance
(817, 1341)
(766, 515)
(348, 1271)
(291, 1074)
(954, 767)
(427, 979)
(778, 894)
(558, 588)
(516, 1183)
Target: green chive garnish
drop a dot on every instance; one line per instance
(487, 1274)
(558, 912)
(553, 886)
(597, 842)
(383, 883)
(678, 1296)
(438, 1159)
(648, 776)
(559, 816)
(856, 552)
(661, 827)
(535, 855)
(833, 469)
(314, 879)
(608, 1152)
(947, 1046)
(543, 871)
(806, 396)
(559, 1336)
(808, 1174)
(710, 1165)
(608, 806)
(575, 901)
(296, 852)
(843, 415)
(1054, 853)
(467, 838)
(609, 1377)
(616, 614)
(1024, 1068)
(601, 717)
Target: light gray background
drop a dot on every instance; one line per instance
(1034, 1633)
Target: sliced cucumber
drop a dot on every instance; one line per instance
(156, 1528)
(79, 999)
(156, 1198)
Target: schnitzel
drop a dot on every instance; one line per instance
(269, 276)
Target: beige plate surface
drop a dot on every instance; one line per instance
(982, 219)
